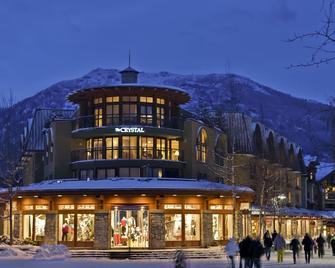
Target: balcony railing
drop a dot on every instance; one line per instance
(126, 152)
(90, 121)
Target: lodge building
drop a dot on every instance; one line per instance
(130, 168)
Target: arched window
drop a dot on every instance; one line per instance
(220, 150)
(202, 147)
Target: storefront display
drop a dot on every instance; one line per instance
(66, 227)
(130, 227)
(85, 227)
(217, 226)
(34, 226)
(192, 227)
(28, 223)
(229, 226)
(173, 227)
(40, 220)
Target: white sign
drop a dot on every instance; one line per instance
(129, 130)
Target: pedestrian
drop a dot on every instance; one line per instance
(180, 259)
(295, 247)
(231, 250)
(245, 252)
(279, 244)
(321, 246)
(329, 238)
(274, 234)
(257, 251)
(65, 231)
(267, 244)
(315, 247)
(308, 247)
(332, 243)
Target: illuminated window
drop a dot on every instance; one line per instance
(228, 207)
(85, 227)
(86, 206)
(112, 99)
(192, 206)
(97, 148)
(89, 149)
(28, 207)
(129, 98)
(216, 207)
(217, 226)
(297, 181)
(66, 227)
(160, 116)
(98, 117)
(65, 207)
(244, 206)
(40, 220)
(229, 226)
(147, 147)
(173, 227)
(112, 114)
(160, 101)
(41, 207)
(172, 206)
(112, 148)
(147, 99)
(97, 100)
(202, 146)
(174, 151)
(192, 227)
(160, 148)
(129, 147)
(146, 114)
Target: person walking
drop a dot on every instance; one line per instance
(332, 244)
(295, 246)
(257, 251)
(245, 252)
(274, 234)
(279, 244)
(308, 247)
(321, 246)
(267, 244)
(231, 250)
(65, 231)
(329, 238)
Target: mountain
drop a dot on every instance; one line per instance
(302, 121)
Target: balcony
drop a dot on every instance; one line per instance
(126, 153)
(92, 121)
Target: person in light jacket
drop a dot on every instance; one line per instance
(279, 244)
(231, 250)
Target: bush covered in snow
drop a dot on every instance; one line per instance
(52, 252)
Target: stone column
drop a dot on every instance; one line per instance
(102, 230)
(206, 228)
(17, 230)
(51, 228)
(157, 229)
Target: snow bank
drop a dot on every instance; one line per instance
(8, 251)
(52, 252)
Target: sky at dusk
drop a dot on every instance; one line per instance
(43, 42)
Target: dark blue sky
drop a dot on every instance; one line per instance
(43, 42)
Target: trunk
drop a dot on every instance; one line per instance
(10, 217)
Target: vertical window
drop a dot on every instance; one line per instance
(160, 116)
(146, 114)
(160, 101)
(129, 147)
(112, 111)
(220, 151)
(98, 117)
(86, 174)
(146, 99)
(97, 148)
(112, 148)
(174, 151)
(28, 221)
(192, 227)
(66, 227)
(85, 227)
(202, 146)
(160, 148)
(40, 220)
(217, 226)
(147, 147)
(88, 149)
(229, 226)
(129, 109)
(173, 227)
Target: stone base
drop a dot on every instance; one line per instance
(157, 229)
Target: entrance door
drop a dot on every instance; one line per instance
(130, 227)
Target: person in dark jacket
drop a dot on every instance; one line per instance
(295, 246)
(245, 253)
(308, 247)
(257, 251)
(332, 243)
(274, 234)
(267, 245)
(321, 246)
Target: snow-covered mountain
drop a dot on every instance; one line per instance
(302, 121)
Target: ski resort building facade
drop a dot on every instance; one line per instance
(130, 168)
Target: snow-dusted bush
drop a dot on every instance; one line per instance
(52, 252)
(8, 251)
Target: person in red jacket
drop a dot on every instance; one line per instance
(65, 231)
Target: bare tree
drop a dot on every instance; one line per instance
(320, 41)
(8, 156)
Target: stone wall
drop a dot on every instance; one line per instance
(157, 229)
(51, 227)
(206, 229)
(17, 231)
(102, 230)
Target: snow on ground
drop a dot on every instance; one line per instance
(327, 261)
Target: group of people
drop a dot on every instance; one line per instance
(251, 250)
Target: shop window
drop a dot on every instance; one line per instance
(28, 223)
(112, 114)
(192, 227)
(192, 206)
(86, 207)
(129, 172)
(174, 150)
(65, 207)
(228, 207)
(146, 99)
(129, 147)
(160, 148)
(173, 227)
(216, 207)
(112, 148)
(160, 115)
(85, 227)
(41, 207)
(40, 220)
(130, 227)
(217, 226)
(97, 148)
(229, 226)
(147, 147)
(98, 117)
(66, 227)
(28, 207)
(172, 206)
(201, 146)
(146, 114)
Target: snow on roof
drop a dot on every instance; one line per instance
(323, 170)
(142, 183)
